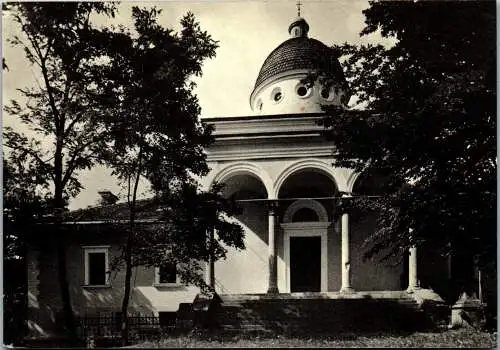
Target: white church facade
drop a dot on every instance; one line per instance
(279, 167)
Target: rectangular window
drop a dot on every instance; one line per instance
(166, 274)
(96, 265)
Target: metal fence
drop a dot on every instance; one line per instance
(105, 329)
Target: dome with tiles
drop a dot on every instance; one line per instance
(278, 88)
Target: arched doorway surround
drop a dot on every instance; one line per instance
(300, 233)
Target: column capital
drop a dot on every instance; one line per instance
(343, 205)
(346, 202)
(272, 206)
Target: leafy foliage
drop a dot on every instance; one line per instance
(425, 116)
(61, 112)
(59, 40)
(155, 134)
(154, 124)
(24, 204)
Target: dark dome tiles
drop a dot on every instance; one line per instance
(300, 53)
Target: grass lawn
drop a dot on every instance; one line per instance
(450, 338)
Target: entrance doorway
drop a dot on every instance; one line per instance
(305, 264)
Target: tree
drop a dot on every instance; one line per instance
(156, 135)
(60, 42)
(24, 204)
(425, 117)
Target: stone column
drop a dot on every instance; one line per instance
(412, 270)
(346, 262)
(211, 261)
(272, 250)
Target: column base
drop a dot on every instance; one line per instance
(347, 290)
(410, 290)
(273, 290)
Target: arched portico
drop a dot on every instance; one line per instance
(307, 165)
(243, 168)
(307, 192)
(250, 183)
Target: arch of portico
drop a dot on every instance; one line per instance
(312, 184)
(351, 181)
(308, 165)
(243, 168)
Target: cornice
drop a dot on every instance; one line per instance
(247, 154)
(263, 126)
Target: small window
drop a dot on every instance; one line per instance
(259, 105)
(96, 265)
(166, 274)
(303, 91)
(276, 95)
(325, 93)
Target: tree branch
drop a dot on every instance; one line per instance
(31, 153)
(73, 160)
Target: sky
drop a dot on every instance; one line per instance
(247, 31)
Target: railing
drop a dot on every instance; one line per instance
(105, 329)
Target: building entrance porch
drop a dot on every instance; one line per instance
(298, 237)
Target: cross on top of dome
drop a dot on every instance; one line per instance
(299, 27)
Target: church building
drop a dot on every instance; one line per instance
(279, 168)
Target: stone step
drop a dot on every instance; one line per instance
(315, 305)
(319, 295)
(317, 302)
(283, 315)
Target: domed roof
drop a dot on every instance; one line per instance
(300, 53)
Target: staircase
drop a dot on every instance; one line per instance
(319, 313)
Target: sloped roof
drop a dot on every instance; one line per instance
(146, 209)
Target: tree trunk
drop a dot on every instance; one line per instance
(61, 249)
(128, 255)
(128, 277)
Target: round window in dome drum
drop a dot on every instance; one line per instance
(276, 95)
(259, 105)
(325, 93)
(302, 91)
